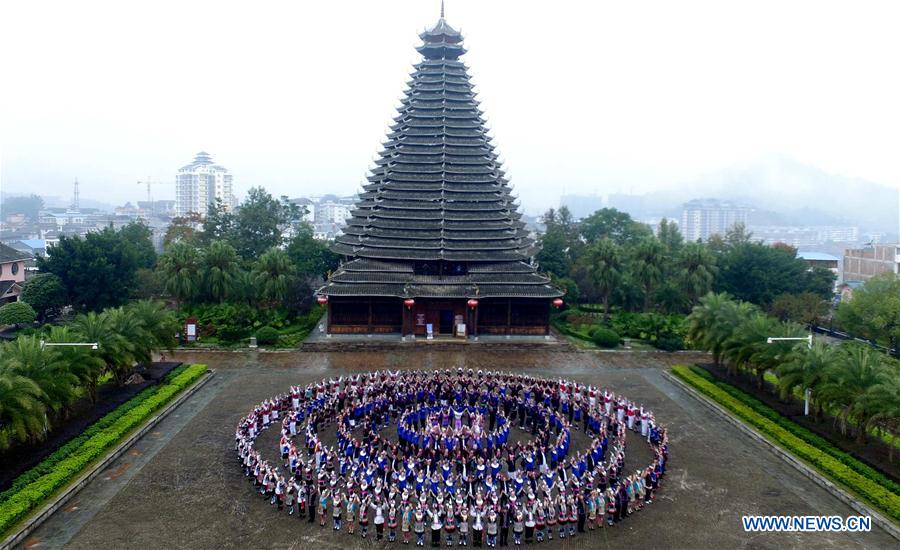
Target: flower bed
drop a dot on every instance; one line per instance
(35, 486)
(867, 483)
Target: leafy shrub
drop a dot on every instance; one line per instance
(605, 338)
(17, 313)
(648, 326)
(858, 477)
(267, 336)
(669, 343)
(32, 488)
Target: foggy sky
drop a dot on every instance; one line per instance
(590, 97)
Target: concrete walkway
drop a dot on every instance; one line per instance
(62, 526)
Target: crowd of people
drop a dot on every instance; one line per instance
(453, 474)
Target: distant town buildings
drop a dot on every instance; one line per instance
(199, 184)
(581, 206)
(800, 236)
(703, 218)
(861, 264)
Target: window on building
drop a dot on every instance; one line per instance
(15, 268)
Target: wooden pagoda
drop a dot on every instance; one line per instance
(435, 242)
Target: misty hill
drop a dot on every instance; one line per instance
(782, 191)
(784, 185)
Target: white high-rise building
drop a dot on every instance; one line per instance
(200, 184)
(701, 219)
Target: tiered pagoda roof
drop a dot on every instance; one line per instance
(437, 193)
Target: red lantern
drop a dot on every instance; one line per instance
(473, 303)
(409, 303)
(322, 299)
(557, 303)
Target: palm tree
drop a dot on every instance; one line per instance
(883, 401)
(747, 347)
(113, 349)
(220, 267)
(24, 356)
(647, 267)
(137, 344)
(86, 366)
(179, 271)
(804, 369)
(857, 369)
(22, 410)
(273, 276)
(697, 270)
(244, 289)
(605, 265)
(159, 323)
(712, 322)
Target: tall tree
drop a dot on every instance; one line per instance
(97, 271)
(807, 308)
(560, 244)
(670, 237)
(874, 311)
(857, 369)
(139, 237)
(219, 267)
(183, 229)
(258, 224)
(758, 273)
(45, 293)
(605, 264)
(614, 225)
(714, 319)
(648, 258)
(748, 346)
(311, 257)
(273, 275)
(218, 224)
(804, 369)
(179, 271)
(696, 271)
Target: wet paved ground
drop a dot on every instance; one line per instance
(180, 486)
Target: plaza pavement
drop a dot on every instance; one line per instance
(180, 486)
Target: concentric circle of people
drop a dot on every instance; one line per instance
(452, 468)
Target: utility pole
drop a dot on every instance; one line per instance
(807, 393)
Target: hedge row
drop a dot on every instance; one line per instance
(51, 460)
(819, 442)
(63, 470)
(869, 489)
(561, 327)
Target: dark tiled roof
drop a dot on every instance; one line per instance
(10, 254)
(5, 286)
(437, 193)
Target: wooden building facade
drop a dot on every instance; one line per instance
(436, 239)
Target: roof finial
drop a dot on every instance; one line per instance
(442, 9)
